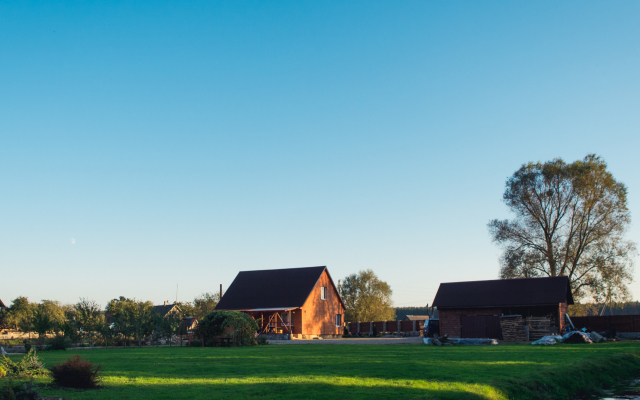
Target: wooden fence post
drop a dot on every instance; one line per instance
(399, 328)
(384, 326)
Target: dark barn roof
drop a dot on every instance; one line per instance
(272, 288)
(504, 292)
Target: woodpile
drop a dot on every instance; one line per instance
(513, 328)
(538, 327)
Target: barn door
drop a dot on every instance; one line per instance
(482, 326)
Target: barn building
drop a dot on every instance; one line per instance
(473, 309)
(303, 302)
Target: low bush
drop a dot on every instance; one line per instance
(56, 343)
(3, 372)
(27, 346)
(196, 343)
(29, 366)
(27, 392)
(262, 341)
(76, 373)
(6, 393)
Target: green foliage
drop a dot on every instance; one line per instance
(243, 327)
(76, 373)
(374, 331)
(27, 346)
(132, 317)
(169, 325)
(48, 316)
(88, 318)
(262, 341)
(20, 314)
(28, 366)
(6, 392)
(27, 392)
(56, 343)
(3, 372)
(366, 298)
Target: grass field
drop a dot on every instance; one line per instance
(352, 372)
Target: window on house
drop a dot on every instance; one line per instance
(323, 293)
(338, 320)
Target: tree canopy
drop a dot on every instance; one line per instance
(366, 298)
(570, 220)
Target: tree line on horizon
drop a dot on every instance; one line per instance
(121, 319)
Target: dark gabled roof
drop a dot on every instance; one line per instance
(504, 292)
(271, 288)
(163, 310)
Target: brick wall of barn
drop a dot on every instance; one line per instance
(450, 318)
(319, 316)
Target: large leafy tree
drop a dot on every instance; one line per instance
(48, 316)
(133, 318)
(366, 298)
(20, 315)
(88, 317)
(570, 220)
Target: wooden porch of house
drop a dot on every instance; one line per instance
(276, 321)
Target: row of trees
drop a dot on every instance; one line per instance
(86, 320)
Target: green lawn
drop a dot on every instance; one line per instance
(342, 371)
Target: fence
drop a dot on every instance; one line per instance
(618, 323)
(386, 326)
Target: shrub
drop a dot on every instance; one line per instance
(27, 346)
(196, 343)
(374, 331)
(3, 373)
(6, 393)
(28, 366)
(29, 392)
(345, 331)
(262, 341)
(56, 343)
(76, 373)
(214, 325)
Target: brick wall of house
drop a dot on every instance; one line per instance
(319, 316)
(450, 318)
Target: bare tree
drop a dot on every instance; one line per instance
(570, 220)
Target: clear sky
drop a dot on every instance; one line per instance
(182, 142)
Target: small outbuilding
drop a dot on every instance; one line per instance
(302, 302)
(473, 309)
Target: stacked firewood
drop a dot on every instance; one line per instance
(538, 327)
(513, 328)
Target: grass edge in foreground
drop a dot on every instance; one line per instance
(584, 378)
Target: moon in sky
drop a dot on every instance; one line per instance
(73, 241)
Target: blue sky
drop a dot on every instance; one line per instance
(180, 143)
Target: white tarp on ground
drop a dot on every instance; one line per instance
(2, 351)
(548, 340)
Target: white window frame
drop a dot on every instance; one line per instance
(338, 320)
(323, 292)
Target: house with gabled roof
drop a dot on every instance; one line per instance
(166, 309)
(302, 302)
(473, 309)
